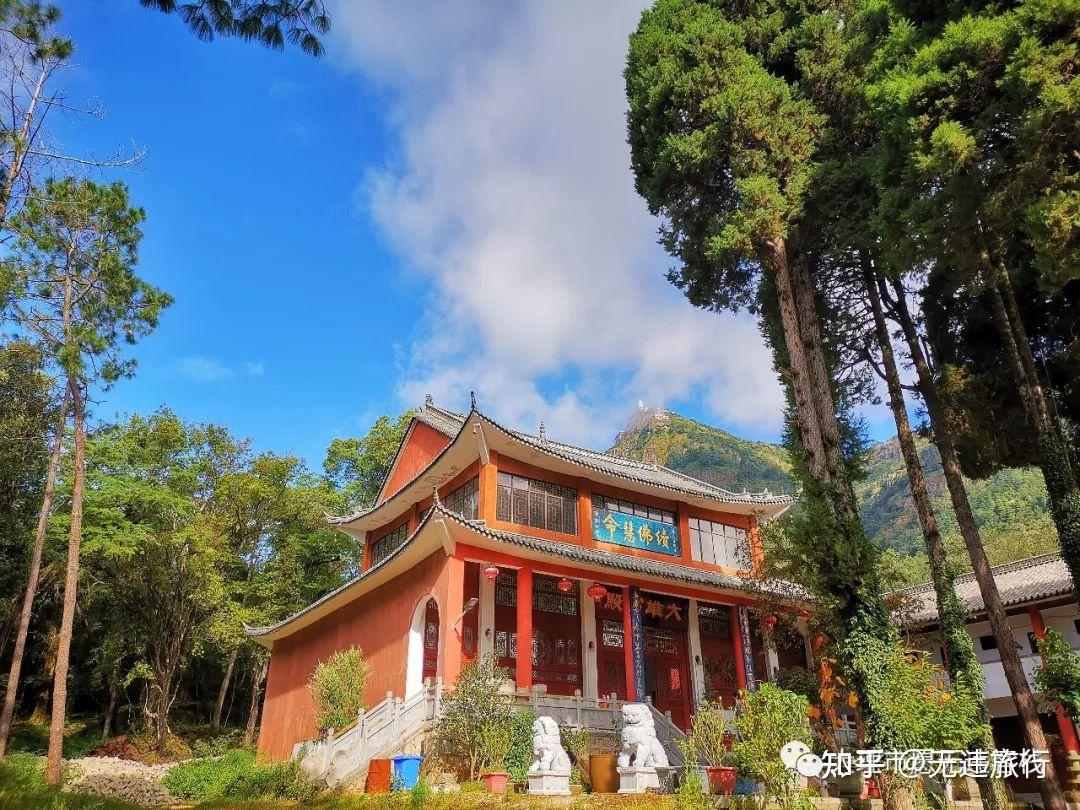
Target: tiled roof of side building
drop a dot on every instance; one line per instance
(1022, 581)
(450, 423)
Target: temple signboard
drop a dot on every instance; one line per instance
(635, 532)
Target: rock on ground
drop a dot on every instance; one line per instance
(122, 779)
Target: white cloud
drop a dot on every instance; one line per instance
(512, 193)
(204, 369)
(255, 368)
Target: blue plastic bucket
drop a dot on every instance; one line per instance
(406, 771)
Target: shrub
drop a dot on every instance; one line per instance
(765, 720)
(337, 688)
(237, 776)
(519, 757)
(1058, 677)
(475, 732)
(708, 734)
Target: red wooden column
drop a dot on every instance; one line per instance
(523, 674)
(628, 644)
(736, 639)
(1065, 725)
(455, 603)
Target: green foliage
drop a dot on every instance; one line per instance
(476, 730)
(709, 733)
(519, 757)
(337, 688)
(1058, 676)
(236, 776)
(704, 452)
(299, 22)
(917, 706)
(81, 237)
(23, 787)
(358, 467)
(766, 719)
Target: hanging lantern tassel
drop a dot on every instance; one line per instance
(565, 585)
(491, 573)
(597, 592)
(769, 621)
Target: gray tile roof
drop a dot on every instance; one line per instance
(616, 562)
(1019, 582)
(643, 472)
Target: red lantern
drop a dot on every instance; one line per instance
(596, 592)
(564, 585)
(769, 621)
(491, 573)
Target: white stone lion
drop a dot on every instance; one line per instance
(548, 753)
(640, 748)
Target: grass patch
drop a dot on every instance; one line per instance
(236, 776)
(22, 785)
(33, 738)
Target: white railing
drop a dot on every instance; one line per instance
(382, 729)
(377, 732)
(575, 711)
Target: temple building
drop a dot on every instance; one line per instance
(588, 576)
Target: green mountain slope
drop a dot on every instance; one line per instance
(662, 437)
(1010, 506)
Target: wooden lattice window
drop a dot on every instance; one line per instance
(629, 508)
(388, 544)
(465, 499)
(537, 503)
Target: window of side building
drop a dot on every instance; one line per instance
(388, 543)
(539, 504)
(719, 544)
(465, 499)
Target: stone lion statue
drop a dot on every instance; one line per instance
(548, 753)
(640, 748)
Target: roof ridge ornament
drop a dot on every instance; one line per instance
(435, 496)
(543, 431)
(472, 399)
(428, 400)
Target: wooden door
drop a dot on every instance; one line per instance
(667, 673)
(431, 639)
(610, 652)
(718, 656)
(556, 636)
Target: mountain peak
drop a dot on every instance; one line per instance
(661, 436)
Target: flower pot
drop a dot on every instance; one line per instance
(603, 773)
(495, 782)
(722, 779)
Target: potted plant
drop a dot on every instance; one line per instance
(498, 740)
(710, 742)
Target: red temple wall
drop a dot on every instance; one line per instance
(424, 444)
(377, 622)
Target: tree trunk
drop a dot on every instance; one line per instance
(256, 694)
(219, 706)
(961, 662)
(1053, 798)
(864, 625)
(110, 711)
(32, 578)
(1062, 491)
(71, 588)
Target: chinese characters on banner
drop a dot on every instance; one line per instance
(947, 764)
(635, 532)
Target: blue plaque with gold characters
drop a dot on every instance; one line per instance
(635, 532)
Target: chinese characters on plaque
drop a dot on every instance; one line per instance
(635, 532)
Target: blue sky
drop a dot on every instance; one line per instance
(442, 203)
